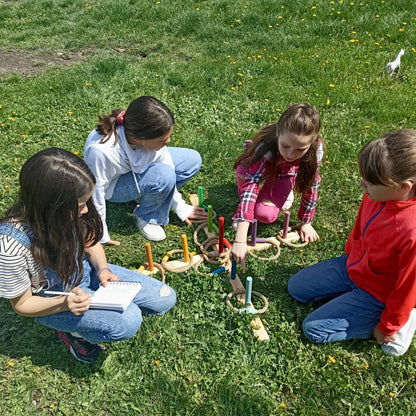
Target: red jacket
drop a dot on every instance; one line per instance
(382, 257)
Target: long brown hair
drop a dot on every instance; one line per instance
(51, 182)
(146, 118)
(299, 119)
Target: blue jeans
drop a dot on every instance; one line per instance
(157, 185)
(352, 313)
(97, 325)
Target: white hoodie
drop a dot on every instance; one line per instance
(109, 160)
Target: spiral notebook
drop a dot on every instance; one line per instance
(116, 296)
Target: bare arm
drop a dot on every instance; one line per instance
(32, 306)
(96, 255)
(239, 250)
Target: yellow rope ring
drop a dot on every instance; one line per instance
(288, 243)
(251, 252)
(159, 267)
(241, 291)
(180, 269)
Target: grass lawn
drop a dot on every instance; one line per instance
(225, 68)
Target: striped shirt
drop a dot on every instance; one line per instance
(18, 269)
(282, 170)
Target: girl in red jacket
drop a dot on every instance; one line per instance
(373, 287)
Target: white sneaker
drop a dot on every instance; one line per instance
(289, 201)
(152, 232)
(404, 337)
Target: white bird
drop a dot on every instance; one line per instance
(392, 66)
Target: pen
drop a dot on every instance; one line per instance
(53, 292)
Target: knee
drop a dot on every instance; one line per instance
(167, 299)
(166, 178)
(194, 159)
(267, 214)
(266, 217)
(295, 289)
(313, 331)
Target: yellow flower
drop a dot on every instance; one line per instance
(88, 84)
(366, 365)
(331, 358)
(328, 101)
(10, 363)
(391, 394)
(157, 362)
(332, 85)
(76, 153)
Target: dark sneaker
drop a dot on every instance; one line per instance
(80, 348)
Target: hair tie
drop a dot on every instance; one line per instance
(120, 117)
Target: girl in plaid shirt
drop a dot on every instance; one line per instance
(283, 156)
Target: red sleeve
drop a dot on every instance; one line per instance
(402, 299)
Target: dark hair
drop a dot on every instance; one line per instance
(146, 118)
(300, 119)
(390, 159)
(51, 182)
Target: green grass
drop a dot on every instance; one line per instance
(225, 69)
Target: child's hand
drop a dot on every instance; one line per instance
(197, 214)
(307, 233)
(238, 253)
(107, 276)
(383, 338)
(79, 303)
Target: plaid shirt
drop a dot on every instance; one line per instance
(283, 170)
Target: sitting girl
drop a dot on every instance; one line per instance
(128, 154)
(50, 240)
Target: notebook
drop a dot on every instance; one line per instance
(116, 296)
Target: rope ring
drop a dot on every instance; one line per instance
(184, 268)
(159, 267)
(241, 291)
(288, 243)
(251, 253)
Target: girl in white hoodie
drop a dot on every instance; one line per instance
(128, 155)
